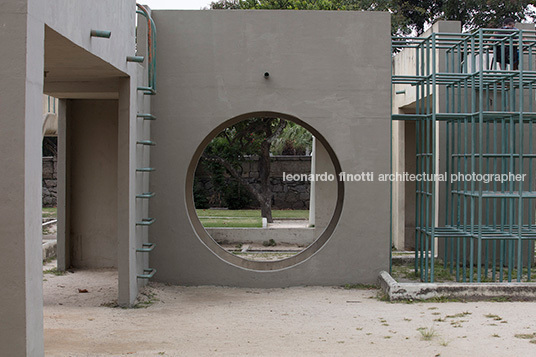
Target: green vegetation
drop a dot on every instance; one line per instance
(361, 286)
(269, 243)
(525, 336)
(145, 299)
(494, 317)
(54, 271)
(247, 222)
(243, 218)
(427, 333)
(443, 274)
(278, 214)
(232, 147)
(461, 314)
(50, 212)
(406, 15)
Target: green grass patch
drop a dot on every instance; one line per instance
(232, 222)
(51, 212)
(525, 336)
(245, 218)
(54, 271)
(427, 333)
(361, 286)
(255, 213)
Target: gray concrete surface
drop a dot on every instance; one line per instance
(321, 74)
(300, 236)
(21, 312)
(325, 191)
(46, 45)
(49, 248)
(93, 135)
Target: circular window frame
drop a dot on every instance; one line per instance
(228, 257)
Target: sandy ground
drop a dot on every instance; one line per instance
(302, 321)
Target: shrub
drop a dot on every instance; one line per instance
(237, 196)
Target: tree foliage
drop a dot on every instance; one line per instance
(294, 140)
(407, 15)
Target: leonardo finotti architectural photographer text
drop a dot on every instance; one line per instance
(405, 176)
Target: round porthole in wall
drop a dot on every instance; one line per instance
(259, 196)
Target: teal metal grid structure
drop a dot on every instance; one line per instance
(481, 104)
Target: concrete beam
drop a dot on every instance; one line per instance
(76, 89)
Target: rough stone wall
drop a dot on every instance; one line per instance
(50, 191)
(287, 194)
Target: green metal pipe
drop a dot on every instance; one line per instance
(101, 33)
(146, 142)
(145, 116)
(146, 222)
(137, 59)
(146, 195)
(147, 90)
(147, 247)
(149, 273)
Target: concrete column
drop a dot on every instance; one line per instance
(21, 70)
(325, 191)
(312, 200)
(126, 193)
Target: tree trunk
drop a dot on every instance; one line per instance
(266, 210)
(264, 176)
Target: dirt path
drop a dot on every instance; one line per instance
(206, 321)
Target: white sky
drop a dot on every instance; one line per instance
(176, 4)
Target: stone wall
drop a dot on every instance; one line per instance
(287, 194)
(50, 191)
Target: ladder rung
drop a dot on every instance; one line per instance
(146, 169)
(146, 142)
(147, 247)
(147, 90)
(146, 195)
(146, 222)
(149, 273)
(138, 59)
(146, 116)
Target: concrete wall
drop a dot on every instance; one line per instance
(55, 35)
(75, 20)
(321, 65)
(325, 191)
(300, 236)
(93, 182)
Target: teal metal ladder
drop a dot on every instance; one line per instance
(150, 89)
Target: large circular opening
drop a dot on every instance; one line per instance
(258, 194)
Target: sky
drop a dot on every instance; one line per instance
(176, 4)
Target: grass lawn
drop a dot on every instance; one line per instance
(276, 213)
(50, 212)
(243, 218)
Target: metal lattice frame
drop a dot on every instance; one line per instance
(489, 115)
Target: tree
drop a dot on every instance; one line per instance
(407, 16)
(240, 141)
(294, 140)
